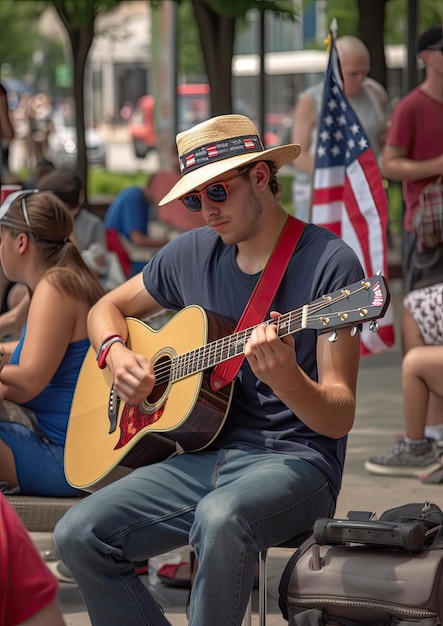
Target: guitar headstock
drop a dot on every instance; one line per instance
(360, 302)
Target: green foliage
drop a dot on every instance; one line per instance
(100, 181)
(346, 13)
(190, 60)
(18, 38)
(76, 13)
(395, 203)
(237, 8)
(285, 181)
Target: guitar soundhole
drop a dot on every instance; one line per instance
(163, 375)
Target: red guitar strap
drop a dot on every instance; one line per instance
(262, 296)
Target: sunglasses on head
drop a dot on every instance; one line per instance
(6, 205)
(216, 192)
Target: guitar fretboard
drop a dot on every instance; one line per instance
(225, 348)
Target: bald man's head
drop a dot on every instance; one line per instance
(355, 61)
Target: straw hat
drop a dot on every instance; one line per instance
(219, 145)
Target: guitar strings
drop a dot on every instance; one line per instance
(185, 364)
(203, 352)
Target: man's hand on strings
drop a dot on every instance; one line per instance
(272, 359)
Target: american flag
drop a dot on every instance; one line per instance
(348, 195)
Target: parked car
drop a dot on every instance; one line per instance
(62, 142)
(192, 107)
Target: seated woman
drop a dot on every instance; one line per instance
(39, 372)
(417, 453)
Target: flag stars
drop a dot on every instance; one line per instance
(332, 104)
(335, 151)
(341, 120)
(343, 105)
(324, 135)
(338, 135)
(363, 143)
(328, 120)
(321, 151)
(355, 129)
(351, 144)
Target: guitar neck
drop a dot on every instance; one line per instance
(228, 347)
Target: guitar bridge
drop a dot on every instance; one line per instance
(113, 406)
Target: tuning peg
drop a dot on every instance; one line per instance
(373, 326)
(353, 331)
(334, 336)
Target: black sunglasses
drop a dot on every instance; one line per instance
(217, 192)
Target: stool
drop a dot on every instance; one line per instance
(295, 542)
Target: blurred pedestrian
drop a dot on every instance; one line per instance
(6, 131)
(40, 125)
(129, 215)
(368, 99)
(413, 154)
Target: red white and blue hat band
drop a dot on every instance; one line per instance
(219, 145)
(219, 150)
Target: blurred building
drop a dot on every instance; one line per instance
(119, 69)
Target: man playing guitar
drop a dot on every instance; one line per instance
(276, 465)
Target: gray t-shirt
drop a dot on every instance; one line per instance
(88, 229)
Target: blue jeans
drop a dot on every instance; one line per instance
(227, 504)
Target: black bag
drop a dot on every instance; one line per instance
(359, 570)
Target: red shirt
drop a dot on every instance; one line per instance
(417, 128)
(26, 584)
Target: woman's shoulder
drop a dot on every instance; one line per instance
(53, 285)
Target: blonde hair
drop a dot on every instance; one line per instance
(50, 224)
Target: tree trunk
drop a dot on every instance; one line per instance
(81, 38)
(81, 41)
(371, 28)
(217, 34)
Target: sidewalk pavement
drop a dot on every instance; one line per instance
(378, 419)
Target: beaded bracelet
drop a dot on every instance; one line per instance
(102, 352)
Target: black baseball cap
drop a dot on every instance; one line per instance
(431, 39)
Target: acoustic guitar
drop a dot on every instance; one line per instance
(107, 438)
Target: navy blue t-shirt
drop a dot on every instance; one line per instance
(198, 268)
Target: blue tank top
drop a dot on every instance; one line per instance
(53, 404)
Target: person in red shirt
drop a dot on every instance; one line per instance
(28, 590)
(413, 154)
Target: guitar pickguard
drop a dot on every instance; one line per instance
(133, 420)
